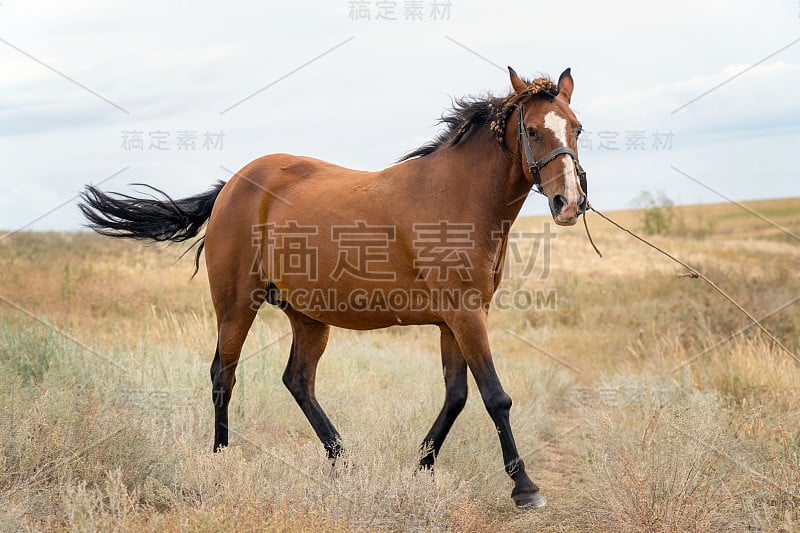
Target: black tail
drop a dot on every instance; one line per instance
(153, 219)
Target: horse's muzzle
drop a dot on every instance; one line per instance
(566, 213)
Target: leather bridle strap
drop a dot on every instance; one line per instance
(534, 166)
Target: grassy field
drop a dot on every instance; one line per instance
(652, 416)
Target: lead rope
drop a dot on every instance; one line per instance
(586, 226)
(692, 273)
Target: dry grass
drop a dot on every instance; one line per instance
(110, 428)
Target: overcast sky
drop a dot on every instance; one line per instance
(82, 83)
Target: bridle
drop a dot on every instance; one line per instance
(535, 166)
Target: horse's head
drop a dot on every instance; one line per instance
(545, 132)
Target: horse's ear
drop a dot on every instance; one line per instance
(566, 85)
(516, 82)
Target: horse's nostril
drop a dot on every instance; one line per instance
(558, 203)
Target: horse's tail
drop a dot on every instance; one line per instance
(152, 219)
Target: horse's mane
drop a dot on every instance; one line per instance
(471, 112)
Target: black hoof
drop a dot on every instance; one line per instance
(424, 467)
(339, 466)
(529, 500)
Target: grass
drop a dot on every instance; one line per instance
(107, 422)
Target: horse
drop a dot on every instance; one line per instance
(420, 242)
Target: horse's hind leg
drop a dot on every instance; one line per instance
(310, 340)
(454, 367)
(234, 318)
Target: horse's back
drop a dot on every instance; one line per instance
(279, 170)
(276, 187)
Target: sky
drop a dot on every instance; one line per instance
(179, 94)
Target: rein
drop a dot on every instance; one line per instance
(692, 273)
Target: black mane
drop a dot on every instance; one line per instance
(467, 114)
(470, 113)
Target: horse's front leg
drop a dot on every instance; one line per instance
(472, 336)
(454, 368)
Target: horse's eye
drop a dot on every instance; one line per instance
(578, 132)
(532, 133)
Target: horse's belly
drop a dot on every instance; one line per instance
(361, 308)
(372, 319)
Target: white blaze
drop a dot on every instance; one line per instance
(558, 125)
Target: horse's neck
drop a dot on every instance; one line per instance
(487, 182)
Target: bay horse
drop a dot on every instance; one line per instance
(420, 242)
